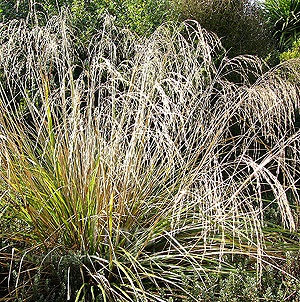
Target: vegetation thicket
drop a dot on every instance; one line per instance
(239, 23)
(292, 53)
(154, 167)
(141, 16)
(284, 17)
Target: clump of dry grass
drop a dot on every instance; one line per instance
(144, 160)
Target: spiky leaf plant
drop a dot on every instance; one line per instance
(142, 168)
(284, 16)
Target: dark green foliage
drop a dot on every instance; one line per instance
(13, 10)
(49, 277)
(239, 23)
(242, 285)
(56, 274)
(273, 58)
(284, 19)
(141, 16)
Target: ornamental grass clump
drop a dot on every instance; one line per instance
(135, 173)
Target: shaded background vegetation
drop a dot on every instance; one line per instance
(239, 23)
(245, 26)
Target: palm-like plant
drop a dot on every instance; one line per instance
(284, 18)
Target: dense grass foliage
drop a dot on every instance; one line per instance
(144, 169)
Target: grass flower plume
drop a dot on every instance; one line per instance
(133, 167)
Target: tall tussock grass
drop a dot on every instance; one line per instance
(132, 168)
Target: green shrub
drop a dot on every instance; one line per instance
(239, 23)
(141, 16)
(292, 53)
